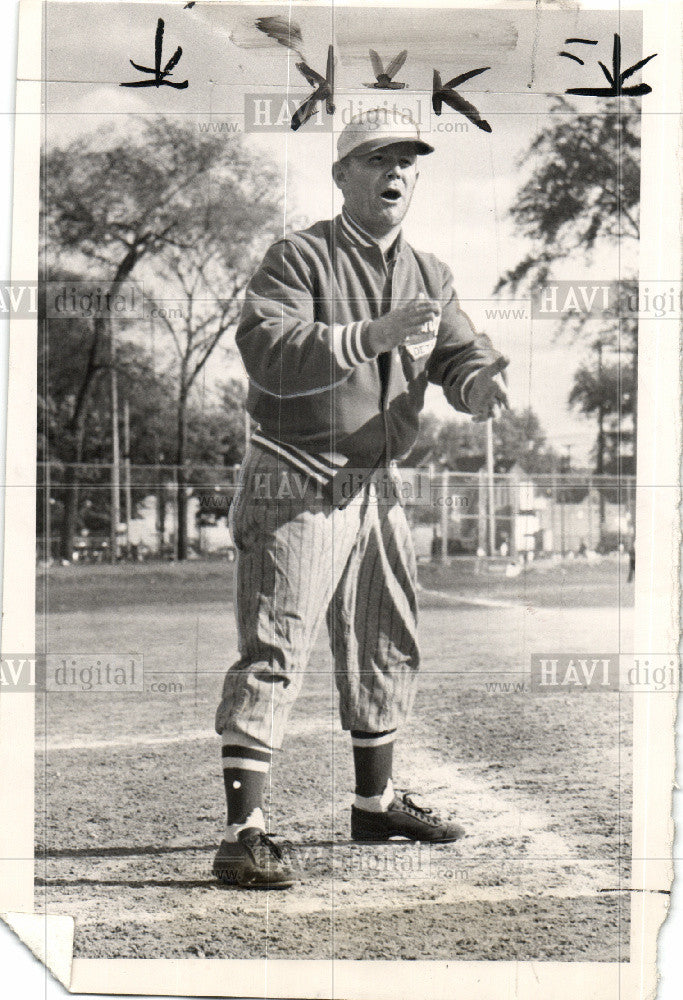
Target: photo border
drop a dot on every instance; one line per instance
(656, 616)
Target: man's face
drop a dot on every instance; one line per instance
(378, 186)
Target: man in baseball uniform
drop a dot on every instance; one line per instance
(343, 326)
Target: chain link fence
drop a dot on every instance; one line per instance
(521, 517)
(508, 515)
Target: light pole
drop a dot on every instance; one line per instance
(126, 471)
(567, 466)
(444, 515)
(491, 487)
(115, 451)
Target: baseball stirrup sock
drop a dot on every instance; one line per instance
(376, 803)
(369, 740)
(245, 753)
(255, 819)
(246, 763)
(373, 762)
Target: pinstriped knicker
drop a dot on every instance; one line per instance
(298, 559)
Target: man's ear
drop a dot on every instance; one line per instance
(339, 173)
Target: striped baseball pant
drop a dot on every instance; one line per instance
(299, 558)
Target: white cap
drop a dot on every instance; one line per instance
(372, 129)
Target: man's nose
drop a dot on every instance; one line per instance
(394, 170)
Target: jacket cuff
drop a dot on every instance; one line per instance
(464, 388)
(349, 344)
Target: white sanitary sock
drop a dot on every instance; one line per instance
(255, 818)
(376, 803)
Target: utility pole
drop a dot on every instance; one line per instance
(513, 492)
(553, 488)
(564, 496)
(126, 471)
(491, 487)
(482, 515)
(48, 510)
(601, 444)
(590, 511)
(563, 548)
(115, 454)
(444, 516)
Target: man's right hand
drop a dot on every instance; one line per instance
(394, 327)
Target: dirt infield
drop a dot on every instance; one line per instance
(130, 802)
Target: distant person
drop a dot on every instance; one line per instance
(631, 561)
(437, 546)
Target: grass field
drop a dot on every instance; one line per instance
(85, 588)
(130, 802)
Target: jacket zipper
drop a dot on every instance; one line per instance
(390, 360)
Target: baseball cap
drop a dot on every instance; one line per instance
(371, 130)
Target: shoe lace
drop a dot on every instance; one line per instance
(416, 809)
(261, 839)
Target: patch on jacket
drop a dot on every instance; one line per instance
(422, 343)
(418, 348)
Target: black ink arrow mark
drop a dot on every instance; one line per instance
(616, 77)
(158, 73)
(443, 93)
(385, 77)
(324, 91)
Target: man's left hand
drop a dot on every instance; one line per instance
(487, 392)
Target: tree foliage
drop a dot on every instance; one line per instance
(518, 438)
(206, 278)
(584, 188)
(609, 389)
(583, 191)
(184, 205)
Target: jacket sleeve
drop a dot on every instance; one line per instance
(286, 352)
(459, 352)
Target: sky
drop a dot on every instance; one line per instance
(460, 209)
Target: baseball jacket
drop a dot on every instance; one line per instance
(320, 398)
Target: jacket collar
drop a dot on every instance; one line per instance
(359, 237)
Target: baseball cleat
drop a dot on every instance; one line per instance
(253, 861)
(404, 818)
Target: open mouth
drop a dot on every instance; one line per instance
(390, 195)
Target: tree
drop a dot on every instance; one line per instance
(518, 438)
(458, 439)
(424, 450)
(584, 188)
(113, 200)
(70, 363)
(233, 402)
(106, 203)
(606, 390)
(208, 278)
(584, 191)
(74, 425)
